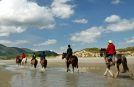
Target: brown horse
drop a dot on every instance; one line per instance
(43, 63)
(34, 62)
(18, 61)
(119, 59)
(71, 60)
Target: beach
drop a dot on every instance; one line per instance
(5, 77)
(92, 65)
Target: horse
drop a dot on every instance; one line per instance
(34, 62)
(18, 61)
(43, 63)
(71, 60)
(119, 59)
(23, 62)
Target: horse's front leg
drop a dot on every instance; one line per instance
(118, 70)
(73, 68)
(19, 64)
(31, 65)
(111, 73)
(67, 66)
(105, 74)
(108, 70)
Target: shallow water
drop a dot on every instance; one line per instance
(58, 77)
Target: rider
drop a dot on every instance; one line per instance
(17, 57)
(110, 51)
(69, 52)
(23, 56)
(33, 57)
(43, 56)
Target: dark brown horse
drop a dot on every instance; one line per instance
(43, 63)
(71, 60)
(119, 59)
(18, 61)
(34, 62)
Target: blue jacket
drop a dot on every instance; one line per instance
(43, 56)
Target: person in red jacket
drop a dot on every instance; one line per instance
(23, 56)
(110, 51)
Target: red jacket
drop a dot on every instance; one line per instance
(111, 49)
(23, 56)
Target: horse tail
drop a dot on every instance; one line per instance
(76, 62)
(45, 64)
(36, 62)
(124, 63)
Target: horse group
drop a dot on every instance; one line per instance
(34, 62)
(73, 60)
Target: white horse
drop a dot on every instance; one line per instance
(23, 62)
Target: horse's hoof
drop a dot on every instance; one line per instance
(113, 75)
(72, 72)
(105, 74)
(78, 71)
(131, 75)
(123, 72)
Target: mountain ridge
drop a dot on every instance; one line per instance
(10, 52)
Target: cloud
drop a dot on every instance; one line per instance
(84, 21)
(61, 9)
(112, 18)
(13, 43)
(6, 30)
(23, 14)
(63, 49)
(16, 16)
(128, 41)
(48, 42)
(121, 26)
(116, 1)
(88, 36)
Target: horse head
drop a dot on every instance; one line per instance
(103, 52)
(64, 55)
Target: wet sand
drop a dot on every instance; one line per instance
(92, 65)
(5, 77)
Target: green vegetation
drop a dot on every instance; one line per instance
(126, 49)
(93, 50)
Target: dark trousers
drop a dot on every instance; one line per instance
(113, 58)
(67, 56)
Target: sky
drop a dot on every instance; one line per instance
(53, 24)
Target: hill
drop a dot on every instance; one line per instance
(11, 52)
